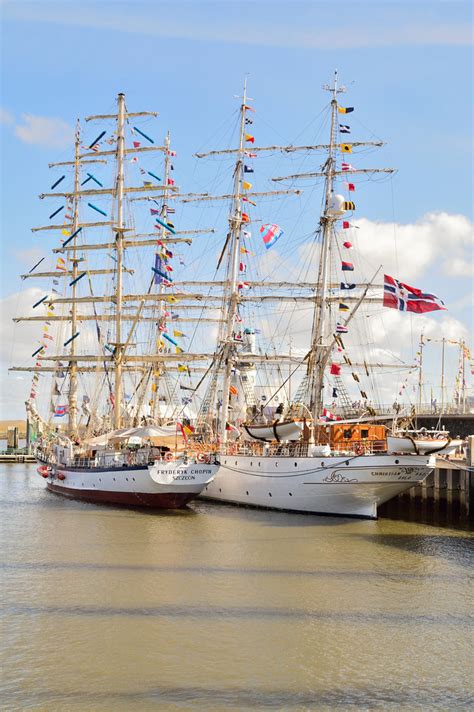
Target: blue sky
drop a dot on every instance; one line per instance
(407, 67)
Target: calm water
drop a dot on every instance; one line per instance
(218, 608)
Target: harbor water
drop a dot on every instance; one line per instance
(217, 608)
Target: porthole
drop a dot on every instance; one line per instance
(220, 489)
(276, 464)
(296, 464)
(236, 462)
(269, 494)
(133, 478)
(246, 493)
(347, 462)
(251, 465)
(126, 479)
(397, 461)
(100, 479)
(290, 494)
(259, 464)
(113, 479)
(322, 464)
(225, 462)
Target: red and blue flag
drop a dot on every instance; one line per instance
(270, 234)
(398, 295)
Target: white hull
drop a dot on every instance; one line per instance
(162, 485)
(352, 486)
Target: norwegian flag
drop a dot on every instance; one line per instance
(327, 415)
(398, 295)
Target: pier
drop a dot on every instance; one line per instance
(446, 497)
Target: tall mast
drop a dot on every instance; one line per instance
(420, 375)
(443, 347)
(119, 258)
(462, 399)
(317, 360)
(72, 402)
(235, 223)
(164, 217)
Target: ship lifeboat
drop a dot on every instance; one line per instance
(285, 430)
(420, 444)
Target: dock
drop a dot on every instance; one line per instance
(8, 456)
(446, 497)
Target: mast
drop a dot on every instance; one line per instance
(235, 223)
(443, 346)
(317, 361)
(119, 262)
(161, 306)
(420, 375)
(462, 399)
(72, 402)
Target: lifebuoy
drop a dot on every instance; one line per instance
(358, 449)
(169, 457)
(203, 458)
(61, 476)
(44, 471)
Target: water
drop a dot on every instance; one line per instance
(222, 608)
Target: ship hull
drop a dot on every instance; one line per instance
(131, 486)
(347, 486)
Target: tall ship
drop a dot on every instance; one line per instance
(314, 446)
(105, 404)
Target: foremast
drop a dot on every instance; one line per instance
(72, 396)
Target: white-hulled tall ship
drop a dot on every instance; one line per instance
(115, 375)
(306, 454)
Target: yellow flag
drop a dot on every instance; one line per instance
(66, 233)
(153, 387)
(177, 333)
(346, 147)
(182, 368)
(179, 350)
(246, 185)
(161, 344)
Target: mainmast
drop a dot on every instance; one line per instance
(119, 230)
(161, 306)
(235, 224)
(317, 360)
(72, 402)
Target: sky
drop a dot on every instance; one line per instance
(407, 67)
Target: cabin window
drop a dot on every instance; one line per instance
(364, 433)
(347, 434)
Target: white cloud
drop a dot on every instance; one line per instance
(406, 251)
(6, 117)
(460, 268)
(44, 131)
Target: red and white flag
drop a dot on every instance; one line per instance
(398, 295)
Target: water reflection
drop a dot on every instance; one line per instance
(226, 608)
